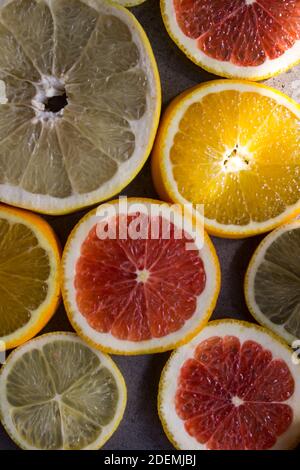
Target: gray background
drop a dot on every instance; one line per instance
(140, 428)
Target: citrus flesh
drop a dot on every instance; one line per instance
(80, 102)
(232, 146)
(234, 387)
(144, 293)
(252, 39)
(57, 393)
(29, 279)
(272, 282)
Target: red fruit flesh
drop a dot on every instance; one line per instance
(231, 396)
(243, 33)
(113, 298)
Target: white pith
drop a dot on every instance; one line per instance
(173, 127)
(108, 341)
(144, 129)
(106, 361)
(250, 280)
(52, 280)
(168, 386)
(222, 68)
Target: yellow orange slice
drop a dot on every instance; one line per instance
(29, 275)
(232, 146)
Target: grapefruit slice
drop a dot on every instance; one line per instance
(79, 102)
(59, 394)
(233, 387)
(250, 39)
(29, 275)
(232, 146)
(272, 282)
(130, 293)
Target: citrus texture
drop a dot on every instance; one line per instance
(29, 275)
(272, 282)
(139, 294)
(250, 39)
(234, 387)
(57, 393)
(80, 102)
(232, 146)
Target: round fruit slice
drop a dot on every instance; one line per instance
(139, 277)
(80, 102)
(252, 39)
(234, 387)
(29, 275)
(272, 282)
(58, 393)
(233, 147)
(129, 3)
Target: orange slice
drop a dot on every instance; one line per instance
(232, 146)
(29, 275)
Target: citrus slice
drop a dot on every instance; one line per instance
(80, 102)
(58, 393)
(29, 275)
(129, 3)
(234, 387)
(233, 147)
(146, 285)
(250, 39)
(273, 279)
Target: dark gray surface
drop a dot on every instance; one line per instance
(140, 428)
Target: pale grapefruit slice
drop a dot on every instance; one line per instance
(142, 295)
(273, 279)
(253, 39)
(233, 387)
(79, 103)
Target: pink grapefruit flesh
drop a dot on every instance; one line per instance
(243, 32)
(138, 289)
(231, 395)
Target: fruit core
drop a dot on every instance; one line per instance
(235, 161)
(50, 99)
(143, 275)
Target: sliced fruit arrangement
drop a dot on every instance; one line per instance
(273, 279)
(233, 387)
(81, 103)
(250, 39)
(144, 292)
(58, 393)
(232, 146)
(29, 275)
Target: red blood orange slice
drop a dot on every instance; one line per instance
(146, 286)
(234, 387)
(252, 39)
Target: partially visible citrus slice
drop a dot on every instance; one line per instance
(58, 393)
(80, 102)
(138, 293)
(233, 387)
(129, 3)
(29, 275)
(250, 39)
(273, 279)
(232, 146)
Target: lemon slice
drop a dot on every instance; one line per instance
(273, 280)
(80, 102)
(128, 3)
(57, 393)
(233, 147)
(29, 275)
